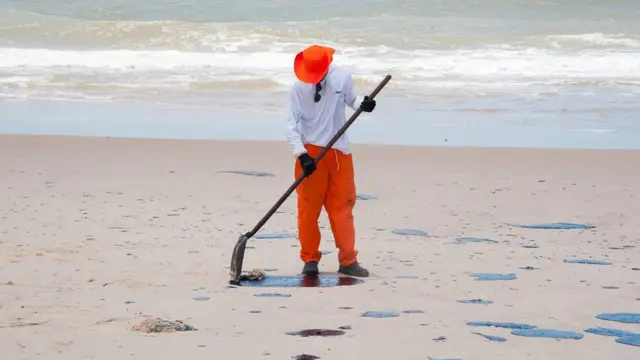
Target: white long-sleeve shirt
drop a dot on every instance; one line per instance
(314, 123)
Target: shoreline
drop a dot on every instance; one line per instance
(355, 147)
(394, 122)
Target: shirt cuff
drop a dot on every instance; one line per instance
(357, 101)
(298, 150)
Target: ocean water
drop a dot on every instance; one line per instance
(533, 67)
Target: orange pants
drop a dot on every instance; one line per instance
(332, 185)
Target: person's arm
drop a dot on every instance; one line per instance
(292, 128)
(351, 97)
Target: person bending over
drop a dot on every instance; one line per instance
(316, 111)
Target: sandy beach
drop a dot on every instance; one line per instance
(98, 234)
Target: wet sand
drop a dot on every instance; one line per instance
(99, 234)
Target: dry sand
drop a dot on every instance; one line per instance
(97, 235)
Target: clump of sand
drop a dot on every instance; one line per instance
(253, 275)
(158, 325)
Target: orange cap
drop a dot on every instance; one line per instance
(312, 64)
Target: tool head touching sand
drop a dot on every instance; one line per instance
(237, 257)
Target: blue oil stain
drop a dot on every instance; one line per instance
(491, 337)
(270, 269)
(609, 332)
(505, 325)
(530, 246)
(365, 197)
(379, 314)
(465, 240)
(476, 301)
(586, 261)
(272, 294)
(547, 333)
(493, 277)
(440, 338)
(407, 277)
(633, 340)
(413, 312)
(627, 318)
(303, 281)
(556, 226)
(248, 173)
(409, 232)
(201, 298)
(274, 236)
(129, 302)
(610, 287)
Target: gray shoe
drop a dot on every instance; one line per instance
(310, 269)
(354, 270)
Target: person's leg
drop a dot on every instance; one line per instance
(311, 194)
(339, 203)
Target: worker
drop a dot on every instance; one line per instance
(316, 111)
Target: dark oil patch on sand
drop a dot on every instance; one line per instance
(633, 340)
(248, 173)
(505, 325)
(303, 281)
(409, 232)
(274, 236)
(547, 333)
(465, 240)
(272, 294)
(586, 261)
(493, 276)
(491, 337)
(305, 357)
(365, 197)
(475, 301)
(623, 247)
(316, 332)
(556, 226)
(627, 318)
(609, 332)
(379, 314)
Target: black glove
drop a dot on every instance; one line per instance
(368, 104)
(308, 164)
